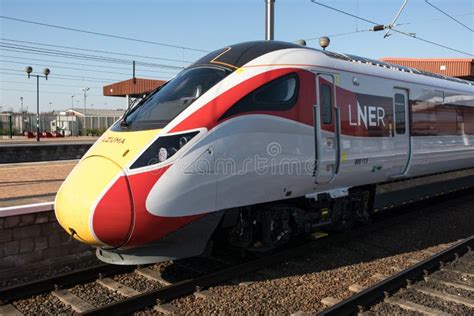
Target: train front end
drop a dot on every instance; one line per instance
(133, 195)
(161, 180)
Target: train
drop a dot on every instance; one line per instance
(256, 143)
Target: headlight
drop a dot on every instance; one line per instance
(183, 141)
(165, 153)
(162, 149)
(162, 154)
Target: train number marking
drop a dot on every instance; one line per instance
(361, 161)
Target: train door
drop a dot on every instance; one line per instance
(401, 133)
(326, 129)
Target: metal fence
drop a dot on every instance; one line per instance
(71, 125)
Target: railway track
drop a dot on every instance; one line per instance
(190, 276)
(444, 286)
(123, 290)
(340, 267)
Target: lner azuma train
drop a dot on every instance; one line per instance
(258, 142)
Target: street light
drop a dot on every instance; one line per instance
(72, 101)
(84, 91)
(46, 73)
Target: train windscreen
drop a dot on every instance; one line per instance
(163, 105)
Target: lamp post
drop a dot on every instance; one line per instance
(46, 73)
(72, 101)
(21, 114)
(84, 91)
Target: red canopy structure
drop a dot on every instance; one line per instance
(454, 67)
(133, 88)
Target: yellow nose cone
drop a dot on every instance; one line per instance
(81, 192)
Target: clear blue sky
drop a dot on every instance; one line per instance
(204, 24)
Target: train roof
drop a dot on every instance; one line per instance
(237, 55)
(378, 63)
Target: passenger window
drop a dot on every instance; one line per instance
(400, 123)
(326, 104)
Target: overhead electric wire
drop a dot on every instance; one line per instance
(449, 16)
(79, 64)
(64, 77)
(49, 63)
(72, 68)
(95, 50)
(52, 55)
(393, 29)
(11, 72)
(343, 12)
(431, 20)
(102, 34)
(15, 73)
(337, 34)
(29, 82)
(392, 24)
(52, 92)
(71, 76)
(370, 30)
(82, 56)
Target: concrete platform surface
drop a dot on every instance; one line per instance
(28, 183)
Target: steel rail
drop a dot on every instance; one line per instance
(176, 290)
(373, 294)
(186, 287)
(63, 280)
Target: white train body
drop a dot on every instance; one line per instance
(284, 122)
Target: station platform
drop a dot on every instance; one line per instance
(22, 140)
(14, 151)
(28, 183)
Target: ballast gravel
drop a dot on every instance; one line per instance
(429, 301)
(300, 284)
(45, 304)
(137, 282)
(95, 294)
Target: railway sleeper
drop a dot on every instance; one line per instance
(9, 310)
(445, 296)
(414, 307)
(449, 283)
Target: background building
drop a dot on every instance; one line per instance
(88, 121)
(454, 67)
(71, 122)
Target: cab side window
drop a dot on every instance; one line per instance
(280, 94)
